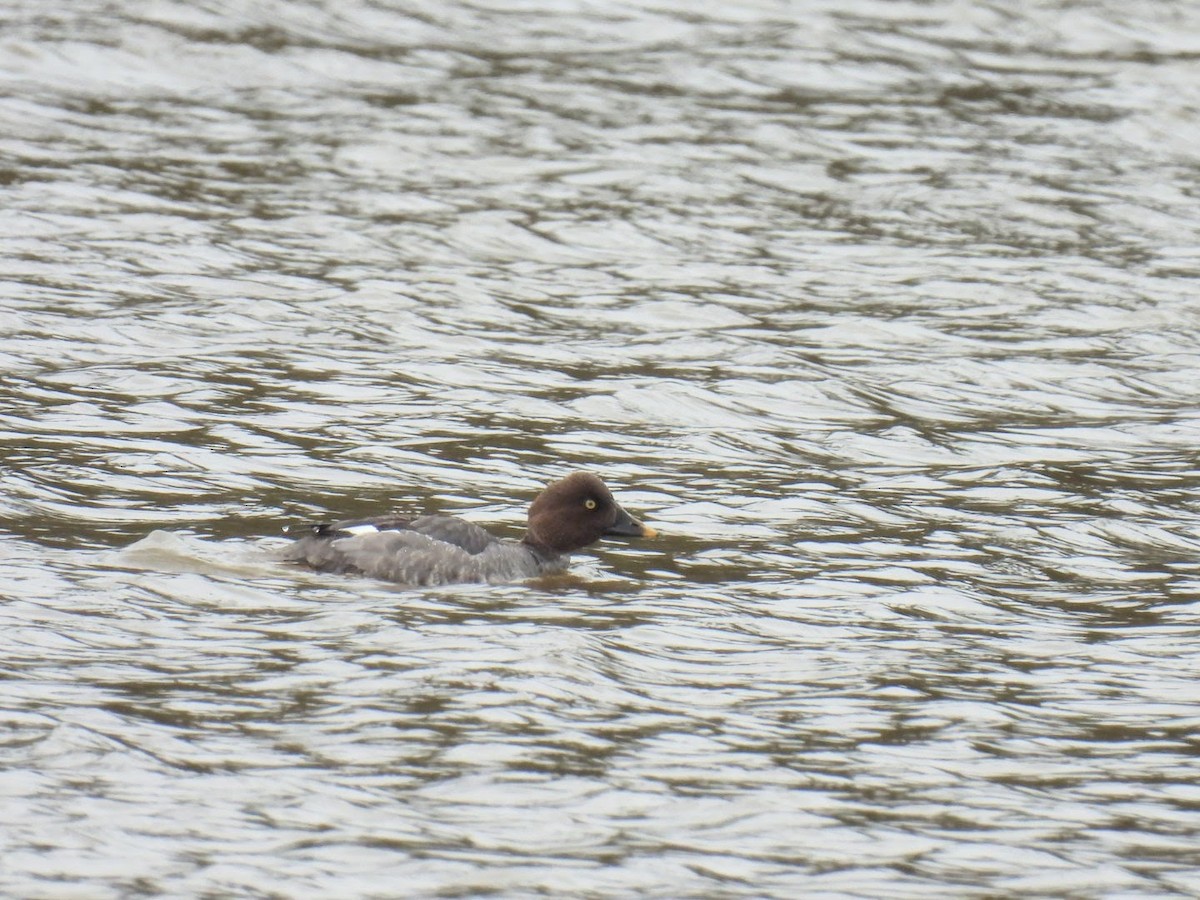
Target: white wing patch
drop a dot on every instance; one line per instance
(365, 528)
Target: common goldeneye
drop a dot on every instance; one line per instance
(429, 550)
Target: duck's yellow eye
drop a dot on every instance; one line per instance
(589, 503)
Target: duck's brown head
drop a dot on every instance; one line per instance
(577, 511)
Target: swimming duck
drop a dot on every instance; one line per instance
(568, 515)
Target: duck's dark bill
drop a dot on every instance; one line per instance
(628, 525)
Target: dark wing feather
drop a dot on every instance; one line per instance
(453, 530)
(380, 523)
(450, 529)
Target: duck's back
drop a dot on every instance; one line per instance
(428, 550)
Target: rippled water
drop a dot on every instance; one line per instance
(885, 314)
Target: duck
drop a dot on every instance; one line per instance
(568, 515)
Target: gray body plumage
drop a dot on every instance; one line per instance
(429, 550)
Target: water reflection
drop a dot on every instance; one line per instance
(883, 311)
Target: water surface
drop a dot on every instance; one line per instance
(883, 313)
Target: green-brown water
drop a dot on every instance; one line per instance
(885, 314)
